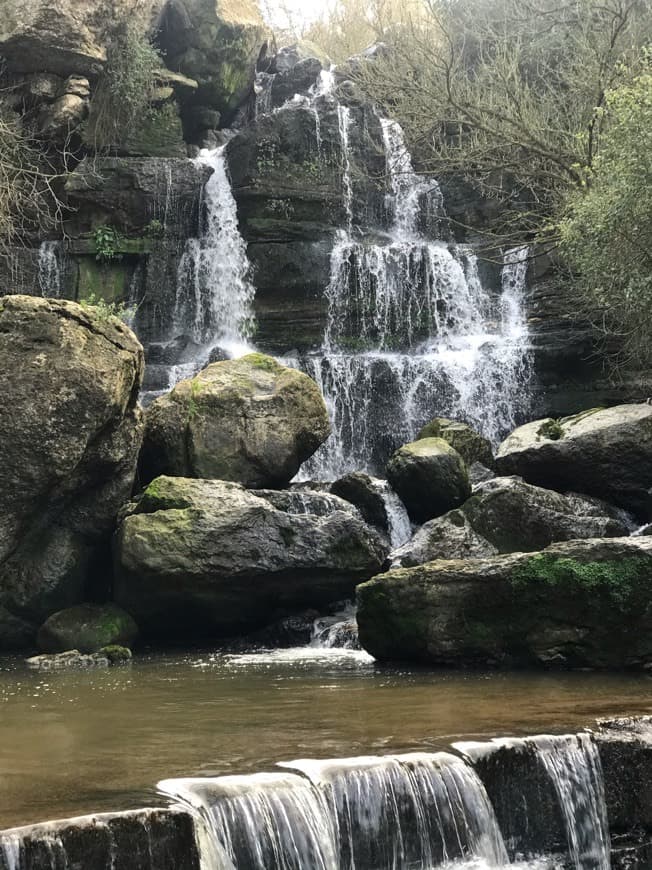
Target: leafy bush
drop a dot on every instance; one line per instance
(107, 242)
(104, 310)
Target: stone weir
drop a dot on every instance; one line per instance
(571, 801)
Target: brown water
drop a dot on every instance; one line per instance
(86, 741)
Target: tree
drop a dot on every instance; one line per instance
(607, 232)
(509, 95)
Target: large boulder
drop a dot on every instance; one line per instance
(87, 628)
(507, 515)
(574, 604)
(471, 446)
(251, 420)
(604, 452)
(209, 558)
(70, 431)
(430, 477)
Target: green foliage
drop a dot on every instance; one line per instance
(107, 241)
(551, 429)
(154, 229)
(619, 580)
(122, 98)
(104, 310)
(607, 232)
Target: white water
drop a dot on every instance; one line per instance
(411, 331)
(214, 292)
(50, 258)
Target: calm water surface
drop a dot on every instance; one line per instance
(85, 741)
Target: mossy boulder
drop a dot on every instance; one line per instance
(605, 452)
(251, 421)
(88, 628)
(574, 604)
(471, 446)
(430, 477)
(208, 558)
(70, 432)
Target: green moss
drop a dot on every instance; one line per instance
(551, 429)
(621, 580)
(116, 654)
(261, 361)
(157, 497)
(193, 404)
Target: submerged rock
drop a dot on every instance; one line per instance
(71, 658)
(574, 604)
(251, 420)
(88, 628)
(603, 452)
(430, 477)
(70, 431)
(471, 446)
(209, 558)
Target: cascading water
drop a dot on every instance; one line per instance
(50, 258)
(411, 331)
(214, 294)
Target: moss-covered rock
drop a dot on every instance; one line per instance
(88, 628)
(208, 558)
(575, 604)
(249, 420)
(430, 477)
(471, 446)
(70, 431)
(602, 452)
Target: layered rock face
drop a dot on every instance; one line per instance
(605, 453)
(574, 604)
(70, 431)
(250, 420)
(207, 558)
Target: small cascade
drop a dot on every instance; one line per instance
(50, 268)
(263, 93)
(339, 631)
(573, 764)
(214, 294)
(411, 330)
(400, 527)
(263, 821)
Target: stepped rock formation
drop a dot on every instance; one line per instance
(574, 604)
(205, 558)
(70, 431)
(602, 452)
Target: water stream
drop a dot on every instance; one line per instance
(50, 267)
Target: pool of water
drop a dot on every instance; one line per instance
(86, 741)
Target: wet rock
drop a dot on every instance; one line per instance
(71, 658)
(362, 491)
(479, 473)
(88, 628)
(605, 452)
(147, 839)
(471, 446)
(625, 747)
(61, 484)
(574, 604)
(297, 79)
(208, 558)
(249, 420)
(449, 537)
(430, 477)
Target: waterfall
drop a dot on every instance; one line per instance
(50, 267)
(214, 294)
(573, 764)
(411, 331)
(373, 813)
(263, 93)
(400, 527)
(339, 631)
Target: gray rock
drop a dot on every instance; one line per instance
(249, 420)
(207, 558)
(430, 477)
(61, 484)
(362, 491)
(574, 604)
(71, 658)
(606, 453)
(471, 446)
(449, 537)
